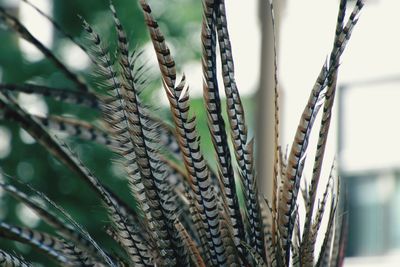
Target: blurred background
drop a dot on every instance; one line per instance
(364, 135)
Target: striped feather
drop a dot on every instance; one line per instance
(340, 231)
(194, 253)
(290, 183)
(227, 233)
(70, 231)
(275, 251)
(321, 142)
(129, 232)
(340, 41)
(238, 127)
(59, 94)
(86, 131)
(188, 139)
(297, 257)
(112, 105)
(130, 235)
(257, 258)
(168, 138)
(162, 211)
(81, 129)
(339, 241)
(308, 244)
(204, 248)
(45, 243)
(266, 214)
(113, 108)
(165, 60)
(325, 251)
(291, 186)
(329, 100)
(215, 120)
(78, 129)
(278, 166)
(9, 260)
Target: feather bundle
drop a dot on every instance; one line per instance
(186, 214)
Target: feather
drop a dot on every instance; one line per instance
(9, 260)
(58, 94)
(36, 130)
(188, 139)
(130, 235)
(177, 179)
(153, 177)
(340, 232)
(308, 242)
(45, 243)
(340, 17)
(78, 129)
(113, 108)
(289, 189)
(239, 130)
(275, 251)
(257, 258)
(252, 202)
(165, 60)
(324, 254)
(62, 153)
(339, 241)
(340, 41)
(227, 233)
(267, 219)
(86, 131)
(328, 105)
(168, 138)
(194, 253)
(204, 248)
(79, 237)
(278, 164)
(291, 185)
(297, 257)
(216, 123)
